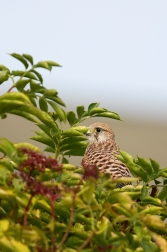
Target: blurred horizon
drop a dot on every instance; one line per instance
(138, 139)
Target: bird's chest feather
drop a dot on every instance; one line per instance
(100, 153)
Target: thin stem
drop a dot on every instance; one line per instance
(86, 242)
(81, 120)
(12, 211)
(57, 148)
(52, 207)
(13, 86)
(69, 224)
(52, 230)
(26, 210)
(90, 237)
(71, 215)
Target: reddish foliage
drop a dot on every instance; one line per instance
(37, 161)
(90, 170)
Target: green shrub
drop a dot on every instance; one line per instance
(47, 204)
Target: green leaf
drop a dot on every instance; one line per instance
(27, 107)
(155, 165)
(30, 75)
(9, 244)
(53, 63)
(103, 231)
(5, 162)
(5, 106)
(97, 111)
(24, 74)
(38, 75)
(14, 96)
(2, 67)
(160, 242)
(93, 105)
(20, 58)
(108, 114)
(163, 173)
(20, 84)
(50, 93)
(152, 210)
(64, 160)
(37, 88)
(43, 104)
(9, 149)
(80, 111)
(126, 156)
(81, 129)
(4, 75)
(22, 102)
(18, 72)
(145, 165)
(3, 116)
(45, 129)
(61, 114)
(24, 115)
(7, 194)
(88, 191)
(60, 226)
(157, 182)
(49, 149)
(43, 64)
(72, 139)
(53, 115)
(71, 117)
(150, 200)
(75, 145)
(163, 193)
(69, 167)
(3, 174)
(74, 242)
(2, 149)
(71, 132)
(144, 191)
(138, 171)
(28, 57)
(27, 146)
(43, 138)
(4, 224)
(57, 100)
(32, 99)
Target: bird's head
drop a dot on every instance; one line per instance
(99, 133)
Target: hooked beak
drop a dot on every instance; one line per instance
(88, 133)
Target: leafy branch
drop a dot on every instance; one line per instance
(47, 204)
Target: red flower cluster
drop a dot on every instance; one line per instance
(37, 161)
(37, 187)
(90, 170)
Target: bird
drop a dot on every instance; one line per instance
(102, 151)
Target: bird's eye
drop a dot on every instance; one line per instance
(98, 129)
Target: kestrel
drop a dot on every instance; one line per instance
(102, 152)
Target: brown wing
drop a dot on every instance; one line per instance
(103, 155)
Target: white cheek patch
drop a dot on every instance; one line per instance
(97, 137)
(92, 138)
(101, 137)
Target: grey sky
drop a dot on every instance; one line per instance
(114, 52)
